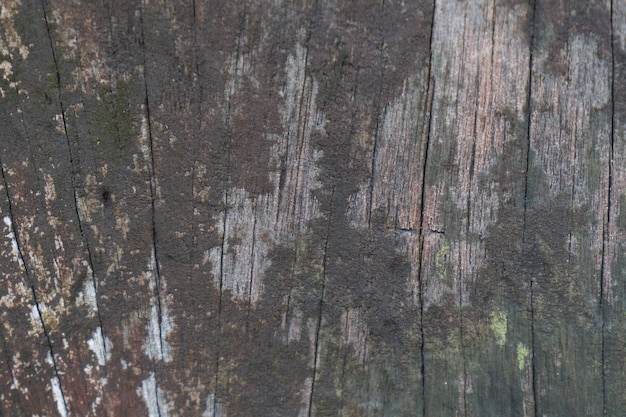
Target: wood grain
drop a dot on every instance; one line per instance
(312, 208)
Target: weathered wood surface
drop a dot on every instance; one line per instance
(313, 208)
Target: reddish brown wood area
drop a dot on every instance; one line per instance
(313, 208)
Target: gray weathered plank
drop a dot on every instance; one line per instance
(475, 297)
(567, 196)
(613, 290)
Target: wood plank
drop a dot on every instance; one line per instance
(613, 290)
(248, 119)
(103, 95)
(475, 295)
(568, 181)
(44, 213)
(372, 74)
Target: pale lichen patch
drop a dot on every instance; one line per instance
(77, 35)
(122, 223)
(499, 326)
(522, 355)
(60, 124)
(11, 42)
(11, 45)
(7, 301)
(7, 70)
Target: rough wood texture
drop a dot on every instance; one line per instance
(313, 208)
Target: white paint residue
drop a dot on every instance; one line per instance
(98, 400)
(152, 346)
(58, 396)
(213, 408)
(100, 346)
(149, 394)
(14, 248)
(58, 243)
(49, 359)
(88, 295)
(306, 397)
(153, 397)
(166, 330)
(295, 325)
(145, 134)
(151, 271)
(34, 316)
(156, 345)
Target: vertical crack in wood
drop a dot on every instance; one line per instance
(79, 219)
(221, 289)
(373, 168)
(32, 284)
(252, 255)
(524, 219)
(321, 303)
(157, 270)
(606, 252)
(300, 136)
(281, 182)
(153, 192)
(468, 251)
(301, 156)
(428, 104)
(227, 180)
(370, 201)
